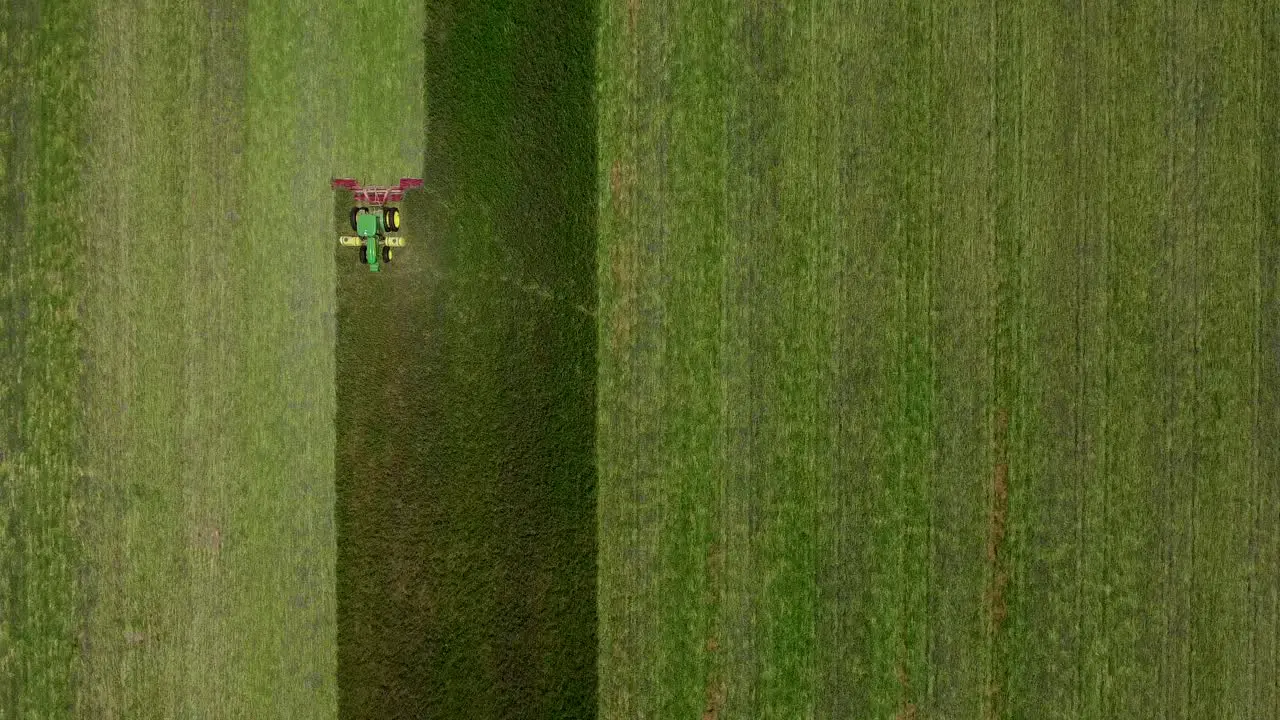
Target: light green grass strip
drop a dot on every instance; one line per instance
(212, 327)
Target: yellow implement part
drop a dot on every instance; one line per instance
(395, 242)
(349, 241)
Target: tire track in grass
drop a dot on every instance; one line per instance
(1225, 226)
(1180, 349)
(1093, 151)
(895, 492)
(1255, 488)
(1008, 214)
(692, 673)
(1259, 641)
(854, 667)
(841, 166)
(1125, 678)
(794, 350)
(1267, 360)
(653, 501)
(1040, 479)
(756, 62)
(962, 324)
(624, 669)
(1095, 348)
(917, 440)
(1189, 396)
(630, 328)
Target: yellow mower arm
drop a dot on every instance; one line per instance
(355, 241)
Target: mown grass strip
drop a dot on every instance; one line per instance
(1181, 343)
(1005, 417)
(962, 323)
(1267, 417)
(1225, 222)
(695, 656)
(208, 397)
(626, 679)
(855, 649)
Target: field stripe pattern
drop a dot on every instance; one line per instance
(992, 351)
(210, 403)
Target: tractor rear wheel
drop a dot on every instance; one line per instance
(355, 211)
(391, 218)
(386, 254)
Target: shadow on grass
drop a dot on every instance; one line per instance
(466, 399)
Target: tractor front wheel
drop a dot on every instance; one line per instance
(386, 254)
(355, 212)
(391, 218)
(364, 255)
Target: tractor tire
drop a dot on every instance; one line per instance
(386, 254)
(354, 212)
(391, 218)
(364, 256)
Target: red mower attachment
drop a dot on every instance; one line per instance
(375, 194)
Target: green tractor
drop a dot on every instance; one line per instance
(372, 228)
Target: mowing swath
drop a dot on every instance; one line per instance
(372, 228)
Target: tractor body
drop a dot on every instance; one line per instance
(372, 226)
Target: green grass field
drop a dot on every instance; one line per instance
(938, 360)
(199, 386)
(169, 463)
(910, 362)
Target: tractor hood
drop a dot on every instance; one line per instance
(367, 225)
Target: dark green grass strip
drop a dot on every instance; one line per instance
(1224, 108)
(1266, 543)
(1006, 415)
(43, 57)
(1125, 520)
(466, 395)
(1093, 157)
(856, 650)
(962, 325)
(1181, 344)
(1045, 472)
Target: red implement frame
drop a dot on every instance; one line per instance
(374, 194)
